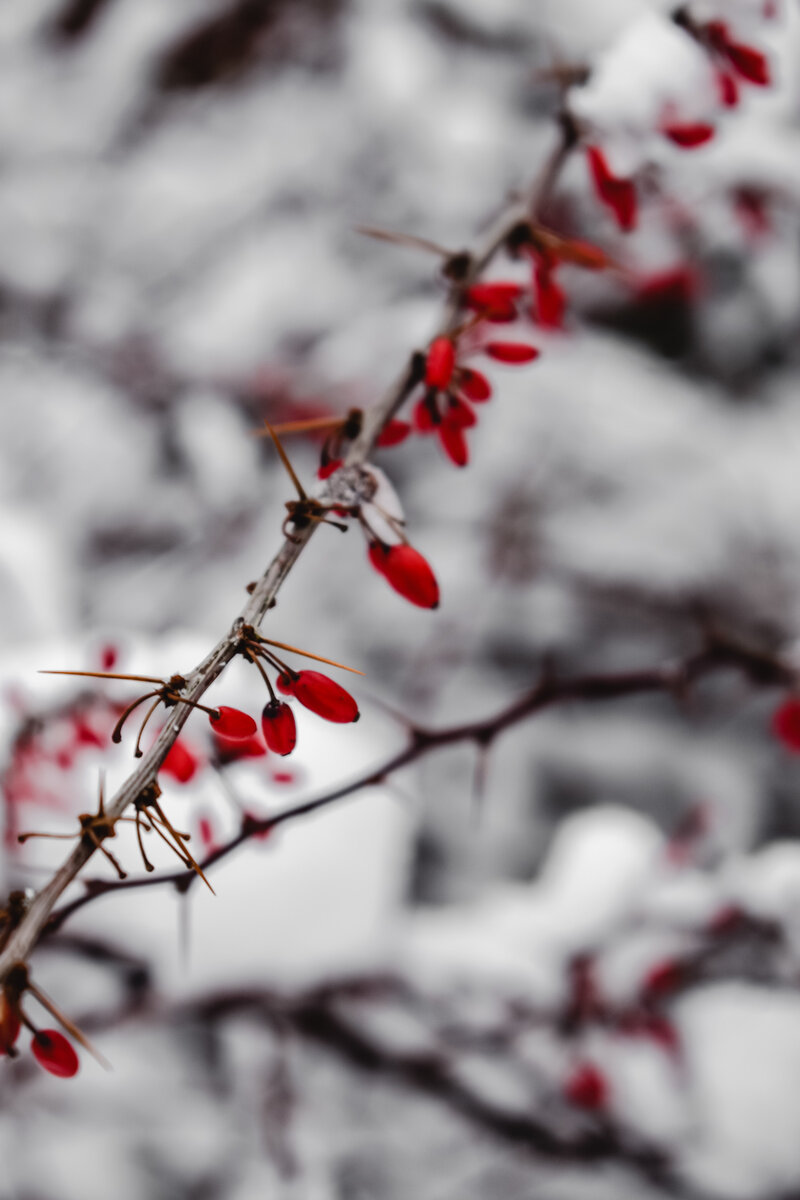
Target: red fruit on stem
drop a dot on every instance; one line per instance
(688, 135)
(474, 385)
(394, 433)
(616, 193)
(485, 295)
(405, 569)
(494, 301)
(550, 299)
(232, 724)
(750, 63)
(662, 979)
(511, 352)
(53, 1052)
(422, 417)
(205, 830)
(728, 89)
(460, 413)
(228, 751)
(440, 363)
(180, 763)
(675, 285)
(285, 685)
(453, 442)
(278, 724)
(326, 469)
(324, 697)
(108, 658)
(786, 723)
(587, 1087)
(9, 1025)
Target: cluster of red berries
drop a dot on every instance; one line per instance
(734, 62)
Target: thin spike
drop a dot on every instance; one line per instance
(65, 1022)
(179, 841)
(308, 654)
(285, 460)
(312, 425)
(107, 675)
(403, 239)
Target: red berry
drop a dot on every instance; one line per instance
(108, 658)
(180, 763)
(232, 724)
(228, 751)
(405, 569)
(453, 441)
(587, 1087)
(474, 385)
(511, 352)
(323, 696)
(786, 723)
(494, 301)
(688, 135)
(550, 299)
(459, 413)
(278, 724)
(53, 1052)
(326, 469)
(285, 685)
(750, 63)
(617, 194)
(440, 363)
(728, 89)
(394, 433)
(663, 978)
(205, 829)
(9, 1025)
(423, 417)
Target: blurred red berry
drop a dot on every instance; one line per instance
(750, 63)
(728, 89)
(326, 469)
(440, 363)
(9, 1024)
(616, 193)
(180, 763)
(473, 384)
(786, 723)
(587, 1087)
(511, 352)
(53, 1052)
(688, 135)
(550, 298)
(453, 441)
(394, 433)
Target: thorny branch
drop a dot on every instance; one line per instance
(674, 679)
(26, 934)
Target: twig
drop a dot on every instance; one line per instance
(673, 679)
(24, 937)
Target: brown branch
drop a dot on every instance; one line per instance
(674, 679)
(24, 937)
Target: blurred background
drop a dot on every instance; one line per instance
(565, 968)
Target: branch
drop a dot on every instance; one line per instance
(26, 934)
(720, 654)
